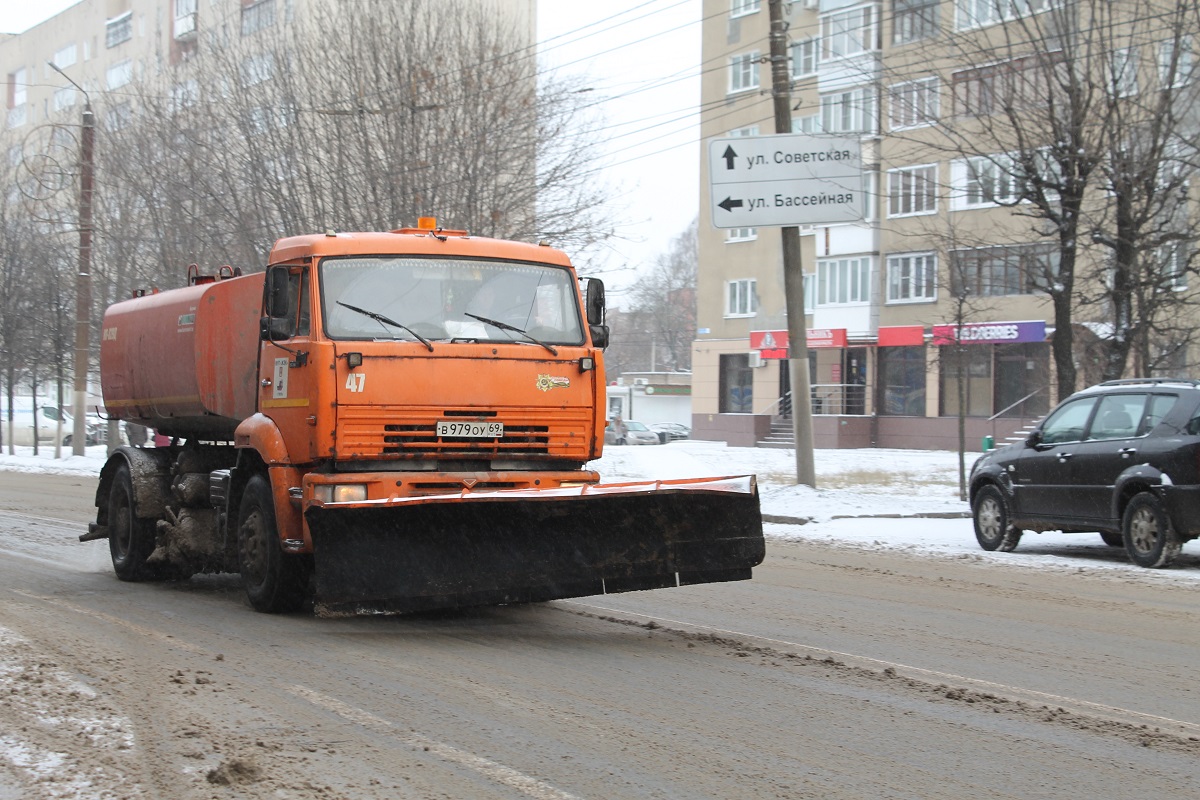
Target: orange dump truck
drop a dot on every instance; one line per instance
(392, 421)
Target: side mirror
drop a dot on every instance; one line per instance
(272, 329)
(594, 303)
(599, 335)
(1034, 439)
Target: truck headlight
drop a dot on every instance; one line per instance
(340, 492)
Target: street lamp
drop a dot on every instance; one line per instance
(83, 280)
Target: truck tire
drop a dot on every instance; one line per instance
(993, 530)
(275, 581)
(130, 539)
(1150, 539)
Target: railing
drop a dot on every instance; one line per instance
(992, 419)
(839, 398)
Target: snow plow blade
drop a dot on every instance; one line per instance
(518, 546)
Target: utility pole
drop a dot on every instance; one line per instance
(793, 268)
(83, 279)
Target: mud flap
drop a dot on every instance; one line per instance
(526, 546)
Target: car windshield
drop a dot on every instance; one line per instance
(635, 426)
(449, 298)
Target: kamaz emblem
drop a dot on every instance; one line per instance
(547, 382)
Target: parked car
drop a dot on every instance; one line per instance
(670, 431)
(635, 433)
(1121, 459)
(44, 420)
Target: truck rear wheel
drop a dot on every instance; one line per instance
(275, 581)
(130, 539)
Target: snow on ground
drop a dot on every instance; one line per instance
(872, 499)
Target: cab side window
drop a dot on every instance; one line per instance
(1068, 422)
(1118, 416)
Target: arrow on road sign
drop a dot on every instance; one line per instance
(729, 204)
(729, 155)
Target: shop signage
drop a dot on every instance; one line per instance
(901, 335)
(990, 333)
(774, 344)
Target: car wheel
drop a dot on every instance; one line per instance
(993, 530)
(1112, 539)
(130, 539)
(274, 581)
(1149, 538)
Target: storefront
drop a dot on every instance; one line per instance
(993, 368)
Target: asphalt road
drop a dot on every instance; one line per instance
(835, 673)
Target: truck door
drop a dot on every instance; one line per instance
(285, 382)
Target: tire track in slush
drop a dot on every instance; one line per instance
(1107, 713)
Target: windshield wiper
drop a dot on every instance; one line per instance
(504, 326)
(381, 319)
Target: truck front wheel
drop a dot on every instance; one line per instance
(275, 581)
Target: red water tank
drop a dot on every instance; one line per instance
(184, 361)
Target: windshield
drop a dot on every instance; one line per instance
(435, 298)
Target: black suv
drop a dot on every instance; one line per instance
(1121, 459)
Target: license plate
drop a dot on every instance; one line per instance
(470, 430)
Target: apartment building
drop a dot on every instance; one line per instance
(941, 297)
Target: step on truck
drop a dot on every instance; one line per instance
(392, 421)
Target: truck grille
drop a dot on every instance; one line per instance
(412, 433)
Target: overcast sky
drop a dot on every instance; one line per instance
(641, 59)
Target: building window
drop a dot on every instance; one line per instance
(1124, 72)
(257, 15)
(978, 13)
(804, 58)
(65, 57)
(256, 69)
(849, 111)
(912, 190)
(901, 378)
(119, 75)
(1017, 83)
(743, 72)
(1173, 264)
(973, 365)
(118, 29)
(914, 20)
(741, 298)
(844, 281)
(741, 8)
(1175, 62)
(64, 98)
(18, 88)
(184, 95)
(1004, 270)
(809, 123)
(912, 278)
(848, 33)
(810, 292)
(913, 103)
(119, 116)
(741, 235)
(736, 384)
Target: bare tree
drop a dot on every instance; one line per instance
(1045, 120)
(665, 300)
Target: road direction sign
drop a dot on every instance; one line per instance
(786, 179)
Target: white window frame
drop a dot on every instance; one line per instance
(119, 74)
(257, 69)
(1185, 67)
(734, 235)
(844, 281)
(850, 110)
(849, 32)
(915, 22)
(257, 16)
(913, 190)
(810, 292)
(118, 30)
(741, 298)
(740, 8)
(64, 98)
(743, 72)
(66, 56)
(983, 182)
(914, 104)
(1125, 71)
(982, 13)
(911, 278)
(184, 94)
(806, 57)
